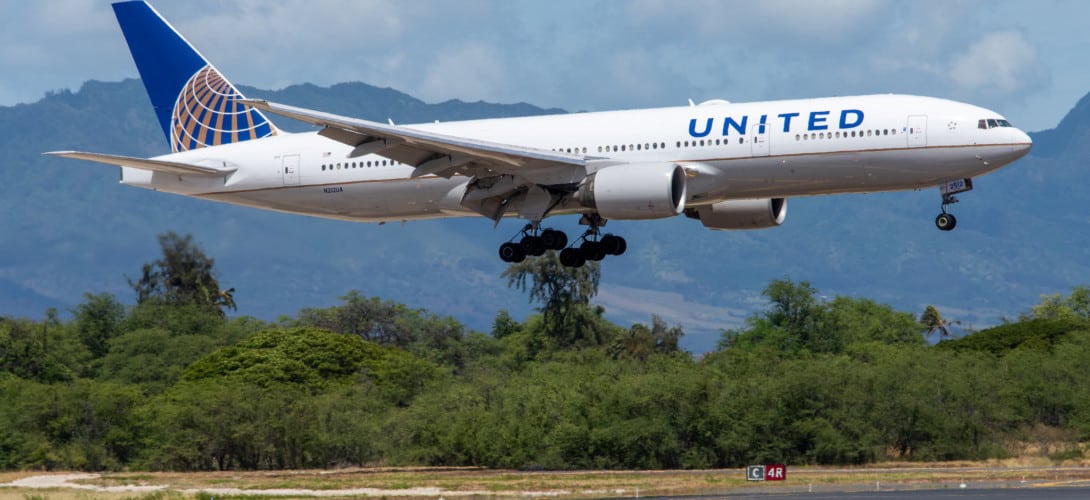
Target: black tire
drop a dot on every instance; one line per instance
(553, 239)
(570, 257)
(592, 250)
(622, 246)
(532, 245)
(613, 244)
(946, 222)
(510, 252)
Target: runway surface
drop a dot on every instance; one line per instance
(1008, 493)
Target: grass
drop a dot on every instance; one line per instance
(577, 484)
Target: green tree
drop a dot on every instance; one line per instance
(798, 321)
(641, 341)
(564, 295)
(98, 319)
(1056, 306)
(182, 276)
(439, 339)
(794, 322)
(934, 322)
(46, 352)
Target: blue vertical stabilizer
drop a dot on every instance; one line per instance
(195, 104)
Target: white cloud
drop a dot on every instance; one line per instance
(471, 71)
(583, 55)
(1002, 63)
(760, 26)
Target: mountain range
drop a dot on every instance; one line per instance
(70, 228)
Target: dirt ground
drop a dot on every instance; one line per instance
(435, 483)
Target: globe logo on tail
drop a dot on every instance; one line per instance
(207, 113)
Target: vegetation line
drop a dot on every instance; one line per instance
(173, 383)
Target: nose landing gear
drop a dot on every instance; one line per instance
(945, 220)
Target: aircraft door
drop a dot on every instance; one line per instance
(290, 170)
(917, 131)
(758, 140)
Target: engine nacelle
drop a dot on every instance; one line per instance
(634, 192)
(741, 214)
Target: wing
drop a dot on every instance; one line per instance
(169, 167)
(439, 154)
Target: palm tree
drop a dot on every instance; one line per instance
(934, 322)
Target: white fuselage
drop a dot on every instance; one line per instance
(774, 149)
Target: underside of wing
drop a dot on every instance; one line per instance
(438, 154)
(169, 167)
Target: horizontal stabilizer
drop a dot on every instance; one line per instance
(167, 167)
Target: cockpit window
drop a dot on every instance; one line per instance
(988, 123)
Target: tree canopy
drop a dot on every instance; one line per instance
(182, 276)
(168, 384)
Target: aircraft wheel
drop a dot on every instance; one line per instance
(571, 257)
(592, 250)
(946, 222)
(532, 245)
(553, 239)
(510, 252)
(622, 245)
(613, 245)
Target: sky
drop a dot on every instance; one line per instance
(1024, 59)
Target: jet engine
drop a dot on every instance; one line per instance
(741, 214)
(633, 192)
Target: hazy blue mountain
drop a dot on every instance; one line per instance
(70, 228)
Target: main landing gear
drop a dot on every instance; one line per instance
(588, 247)
(592, 248)
(534, 242)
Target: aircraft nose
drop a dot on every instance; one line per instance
(1021, 142)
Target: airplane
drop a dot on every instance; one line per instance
(732, 166)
